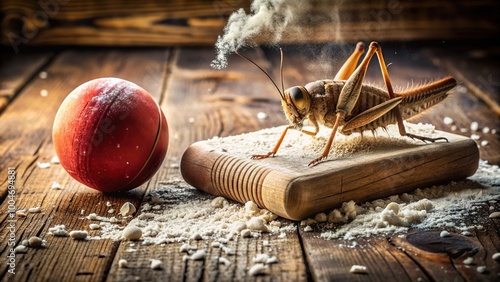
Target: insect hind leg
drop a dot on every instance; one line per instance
(350, 65)
(396, 110)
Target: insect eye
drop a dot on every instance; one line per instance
(298, 98)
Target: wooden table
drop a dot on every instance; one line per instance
(221, 103)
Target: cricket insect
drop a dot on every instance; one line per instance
(347, 103)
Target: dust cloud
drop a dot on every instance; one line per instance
(268, 19)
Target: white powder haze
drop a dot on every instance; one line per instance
(272, 16)
(269, 20)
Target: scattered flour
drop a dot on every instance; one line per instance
(298, 146)
(177, 212)
(188, 214)
(443, 206)
(358, 269)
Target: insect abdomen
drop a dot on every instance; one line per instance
(415, 101)
(419, 99)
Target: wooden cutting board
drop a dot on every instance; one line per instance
(358, 168)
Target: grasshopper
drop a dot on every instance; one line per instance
(347, 105)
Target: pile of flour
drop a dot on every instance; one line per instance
(443, 206)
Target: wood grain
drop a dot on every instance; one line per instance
(174, 23)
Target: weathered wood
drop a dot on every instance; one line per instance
(17, 71)
(26, 139)
(154, 22)
(331, 260)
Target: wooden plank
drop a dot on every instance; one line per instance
(331, 260)
(26, 139)
(16, 72)
(156, 22)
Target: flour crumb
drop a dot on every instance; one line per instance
(468, 261)
(21, 213)
(20, 249)
(474, 126)
(265, 259)
(58, 231)
(218, 202)
(123, 263)
(35, 210)
(198, 255)
(132, 233)
(56, 186)
(481, 269)
(224, 261)
(36, 242)
(496, 256)
(358, 269)
(43, 75)
(43, 165)
(308, 228)
(257, 269)
(444, 234)
(127, 209)
(257, 224)
(262, 115)
(495, 215)
(156, 264)
(79, 234)
(448, 120)
(55, 160)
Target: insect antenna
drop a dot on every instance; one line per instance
(268, 76)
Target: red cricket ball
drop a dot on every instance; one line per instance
(110, 134)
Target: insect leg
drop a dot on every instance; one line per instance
(276, 147)
(397, 112)
(350, 65)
